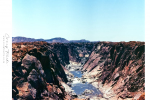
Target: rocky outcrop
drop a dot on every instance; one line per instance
(37, 73)
(118, 69)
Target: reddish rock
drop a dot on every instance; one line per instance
(121, 66)
(142, 97)
(33, 68)
(26, 91)
(38, 68)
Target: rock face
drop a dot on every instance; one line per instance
(37, 73)
(78, 52)
(61, 50)
(118, 67)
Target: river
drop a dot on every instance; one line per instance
(80, 88)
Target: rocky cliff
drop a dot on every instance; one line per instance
(61, 50)
(36, 72)
(79, 52)
(117, 69)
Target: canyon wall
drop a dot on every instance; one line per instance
(118, 69)
(37, 72)
(61, 50)
(79, 52)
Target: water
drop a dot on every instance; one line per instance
(80, 87)
(77, 73)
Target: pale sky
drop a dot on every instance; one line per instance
(94, 20)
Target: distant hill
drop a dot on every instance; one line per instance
(61, 40)
(22, 39)
(79, 41)
(57, 39)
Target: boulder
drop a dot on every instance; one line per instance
(29, 62)
(26, 91)
(87, 92)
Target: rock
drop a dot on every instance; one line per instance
(87, 55)
(78, 79)
(142, 97)
(69, 80)
(26, 91)
(37, 68)
(24, 72)
(54, 89)
(74, 94)
(119, 66)
(34, 79)
(78, 99)
(86, 92)
(69, 84)
(116, 76)
(81, 55)
(59, 91)
(44, 94)
(15, 81)
(83, 81)
(29, 62)
(14, 92)
(49, 88)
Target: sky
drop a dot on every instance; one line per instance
(94, 20)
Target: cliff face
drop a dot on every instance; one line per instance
(118, 67)
(61, 50)
(79, 52)
(36, 72)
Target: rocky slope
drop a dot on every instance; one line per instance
(37, 73)
(117, 69)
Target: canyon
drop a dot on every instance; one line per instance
(78, 71)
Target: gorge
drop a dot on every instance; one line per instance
(78, 71)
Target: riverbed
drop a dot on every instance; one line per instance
(78, 83)
(82, 88)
